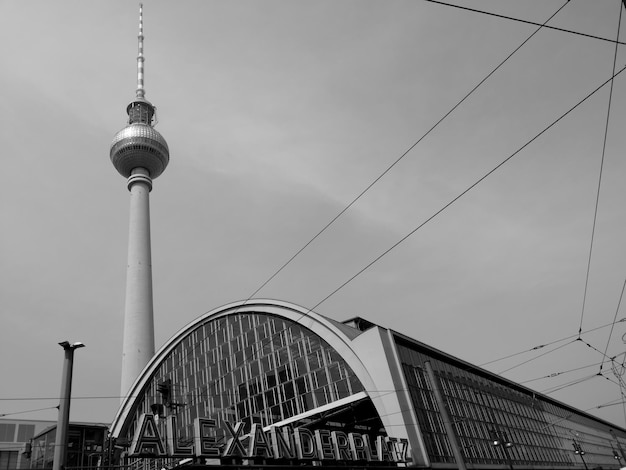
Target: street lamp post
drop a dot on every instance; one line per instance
(60, 449)
(579, 450)
(502, 440)
(617, 457)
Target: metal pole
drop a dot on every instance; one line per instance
(579, 450)
(506, 454)
(60, 448)
(445, 417)
(619, 445)
(584, 463)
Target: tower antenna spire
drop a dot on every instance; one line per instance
(140, 90)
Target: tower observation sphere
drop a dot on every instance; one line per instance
(139, 145)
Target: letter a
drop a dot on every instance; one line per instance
(147, 441)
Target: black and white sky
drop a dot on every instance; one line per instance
(278, 115)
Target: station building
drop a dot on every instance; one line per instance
(268, 383)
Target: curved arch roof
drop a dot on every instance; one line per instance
(338, 336)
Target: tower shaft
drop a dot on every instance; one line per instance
(138, 152)
(138, 346)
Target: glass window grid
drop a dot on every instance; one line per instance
(7, 432)
(248, 367)
(479, 406)
(8, 459)
(25, 432)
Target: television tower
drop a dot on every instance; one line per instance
(139, 153)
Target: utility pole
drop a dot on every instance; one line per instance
(60, 449)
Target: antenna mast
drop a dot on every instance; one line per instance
(140, 59)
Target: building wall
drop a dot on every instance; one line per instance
(14, 435)
(531, 429)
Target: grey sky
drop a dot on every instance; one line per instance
(277, 115)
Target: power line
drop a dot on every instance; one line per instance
(616, 311)
(595, 212)
(610, 404)
(2, 415)
(596, 350)
(556, 374)
(432, 128)
(550, 343)
(536, 357)
(463, 193)
(519, 20)
(568, 384)
(73, 398)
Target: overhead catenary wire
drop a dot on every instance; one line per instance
(616, 312)
(94, 397)
(519, 20)
(406, 152)
(550, 390)
(536, 357)
(2, 415)
(606, 358)
(550, 343)
(597, 202)
(557, 374)
(467, 190)
(595, 349)
(580, 380)
(621, 401)
(575, 369)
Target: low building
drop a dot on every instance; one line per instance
(271, 383)
(85, 446)
(15, 435)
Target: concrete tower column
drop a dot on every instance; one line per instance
(138, 346)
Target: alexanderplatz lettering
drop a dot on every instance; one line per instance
(276, 443)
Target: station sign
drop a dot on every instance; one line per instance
(275, 443)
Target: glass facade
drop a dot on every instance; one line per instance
(245, 367)
(8, 459)
(496, 423)
(43, 449)
(85, 447)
